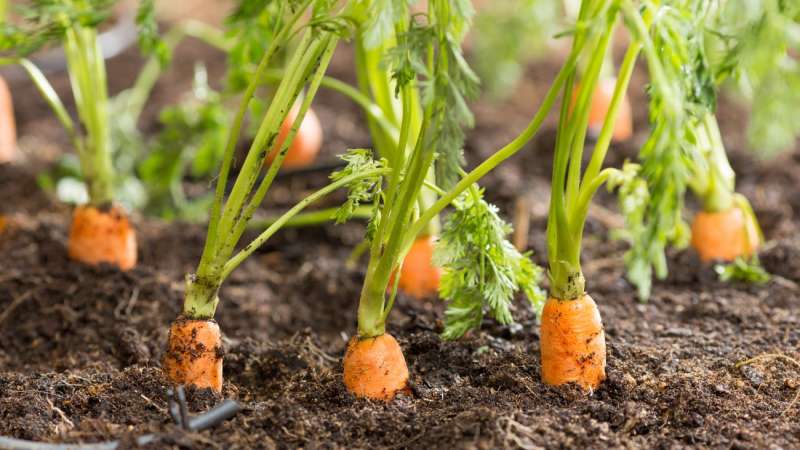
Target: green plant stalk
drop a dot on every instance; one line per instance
(324, 56)
(313, 218)
(50, 96)
(505, 152)
(564, 241)
(565, 236)
(210, 247)
(368, 78)
(87, 75)
(372, 307)
(212, 259)
(718, 195)
(264, 141)
(286, 218)
(313, 55)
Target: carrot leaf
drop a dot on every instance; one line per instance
(150, 42)
(362, 190)
(482, 269)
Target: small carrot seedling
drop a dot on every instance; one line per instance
(726, 228)
(195, 328)
(572, 338)
(481, 270)
(100, 231)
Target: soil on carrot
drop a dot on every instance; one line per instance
(80, 346)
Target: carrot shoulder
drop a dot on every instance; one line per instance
(102, 236)
(8, 128)
(724, 235)
(375, 367)
(419, 277)
(306, 144)
(194, 353)
(573, 343)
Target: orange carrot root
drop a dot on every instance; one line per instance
(3, 223)
(102, 237)
(724, 236)
(573, 343)
(601, 101)
(375, 367)
(194, 354)
(419, 278)
(8, 128)
(306, 144)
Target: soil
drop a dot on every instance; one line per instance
(80, 346)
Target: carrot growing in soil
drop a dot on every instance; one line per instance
(482, 270)
(194, 354)
(418, 275)
(100, 231)
(573, 346)
(726, 228)
(702, 52)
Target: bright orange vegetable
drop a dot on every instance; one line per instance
(601, 101)
(375, 367)
(419, 278)
(102, 236)
(8, 128)
(573, 343)
(306, 144)
(194, 354)
(724, 235)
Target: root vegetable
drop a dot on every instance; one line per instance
(724, 235)
(102, 236)
(194, 354)
(375, 368)
(573, 343)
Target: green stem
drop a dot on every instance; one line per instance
(261, 145)
(284, 219)
(323, 59)
(50, 96)
(607, 132)
(210, 249)
(504, 153)
(313, 218)
(722, 179)
(86, 69)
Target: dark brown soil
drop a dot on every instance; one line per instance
(80, 346)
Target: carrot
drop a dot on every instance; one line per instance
(724, 235)
(306, 144)
(102, 236)
(8, 128)
(375, 368)
(418, 276)
(3, 223)
(598, 109)
(573, 343)
(194, 353)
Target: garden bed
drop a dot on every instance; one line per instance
(80, 347)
